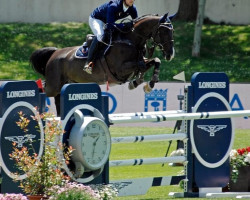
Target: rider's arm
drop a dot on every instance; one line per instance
(111, 17)
(133, 12)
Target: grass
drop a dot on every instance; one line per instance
(18, 41)
(223, 48)
(152, 149)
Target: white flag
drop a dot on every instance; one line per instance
(180, 76)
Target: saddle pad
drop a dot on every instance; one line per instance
(82, 52)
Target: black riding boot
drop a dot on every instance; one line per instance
(91, 54)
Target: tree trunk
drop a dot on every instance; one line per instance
(198, 29)
(187, 10)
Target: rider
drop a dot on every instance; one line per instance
(107, 14)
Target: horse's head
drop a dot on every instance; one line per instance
(164, 38)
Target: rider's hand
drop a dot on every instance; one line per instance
(107, 36)
(128, 26)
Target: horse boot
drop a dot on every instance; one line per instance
(92, 51)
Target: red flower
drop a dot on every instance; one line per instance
(240, 152)
(248, 149)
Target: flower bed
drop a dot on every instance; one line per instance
(72, 191)
(240, 170)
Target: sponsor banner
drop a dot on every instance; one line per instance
(163, 97)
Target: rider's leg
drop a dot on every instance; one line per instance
(97, 28)
(91, 55)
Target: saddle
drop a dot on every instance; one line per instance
(82, 51)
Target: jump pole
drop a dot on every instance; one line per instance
(155, 117)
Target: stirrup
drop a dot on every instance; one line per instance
(88, 68)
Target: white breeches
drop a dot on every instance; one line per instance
(97, 27)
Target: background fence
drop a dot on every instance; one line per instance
(45, 11)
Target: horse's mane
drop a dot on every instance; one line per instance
(144, 17)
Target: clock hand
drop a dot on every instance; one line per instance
(96, 140)
(94, 144)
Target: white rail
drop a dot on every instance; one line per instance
(149, 138)
(147, 161)
(146, 113)
(179, 116)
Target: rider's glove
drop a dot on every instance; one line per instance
(128, 26)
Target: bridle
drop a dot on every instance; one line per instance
(153, 36)
(159, 44)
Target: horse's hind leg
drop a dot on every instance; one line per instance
(54, 92)
(57, 103)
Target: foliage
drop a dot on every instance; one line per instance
(72, 191)
(45, 171)
(75, 191)
(224, 48)
(239, 158)
(105, 192)
(10, 196)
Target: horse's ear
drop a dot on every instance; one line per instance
(172, 16)
(164, 18)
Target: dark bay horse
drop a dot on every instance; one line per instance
(122, 61)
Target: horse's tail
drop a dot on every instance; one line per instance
(40, 57)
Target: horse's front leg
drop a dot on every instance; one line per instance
(134, 83)
(143, 65)
(155, 77)
(131, 66)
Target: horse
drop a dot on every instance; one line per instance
(121, 61)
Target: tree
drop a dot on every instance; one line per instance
(187, 10)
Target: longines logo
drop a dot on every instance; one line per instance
(122, 185)
(83, 96)
(20, 140)
(212, 84)
(212, 129)
(19, 94)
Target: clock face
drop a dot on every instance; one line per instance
(96, 144)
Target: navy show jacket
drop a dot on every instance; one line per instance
(111, 11)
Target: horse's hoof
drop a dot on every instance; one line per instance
(88, 69)
(147, 88)
(131, 85)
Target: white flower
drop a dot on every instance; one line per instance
(233, 154)
(178, 152)
(247, 158)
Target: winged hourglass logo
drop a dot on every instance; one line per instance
(212, 129)
(20, 140)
